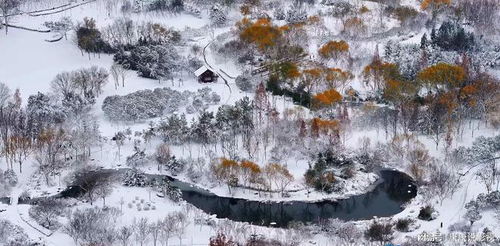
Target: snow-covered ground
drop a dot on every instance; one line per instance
(29, 63)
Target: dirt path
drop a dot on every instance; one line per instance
(214, 69)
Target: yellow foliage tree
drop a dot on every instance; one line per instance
(262, 33)
(328, 97)
(443, 74)
(334, 49)
(337, 78)
(378, 72)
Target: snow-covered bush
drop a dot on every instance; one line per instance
(151, 61)
(195, 168)
(405, 224)
(168, 190)
(217, 16)
(147, 104)
(47, 212)
(279, 14)
(427, 213)
(5, 187)
(10, 177)
(379, 232)
(296, 15)
(247, 82)
(92, 226)
(61, 26)
(192, 10)
(175, 166)
(338, 8)
(13, 235)
(134, 177)
(137, 159)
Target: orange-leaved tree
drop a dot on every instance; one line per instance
(378, 72)
(227, 170)
(262, 33)
(279, 175)
(434, 6)
(328, 98)
(443, 74)
(250, 171)
(337, 78)
(334, 49)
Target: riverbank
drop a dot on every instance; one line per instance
(361, 183)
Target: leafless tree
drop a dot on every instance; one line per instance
(156, 228)
(443, 181)
(162, 154)
(4, 94)
(181, 225)
(142, 231)
(168, 228)
(8, 8)
(124, 234)
(119, 74)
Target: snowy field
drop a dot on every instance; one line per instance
(281, 142)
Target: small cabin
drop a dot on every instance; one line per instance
(206, 75)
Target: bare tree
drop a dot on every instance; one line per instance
(142, 230)
(8, 8)
(443, 181)
(168, 228)
(63, 83)
(49, 152)
(104, 189)
(162, 154)
(119, 74)
(181, 224)
(124, 235)
(155, 229)
(4, 94)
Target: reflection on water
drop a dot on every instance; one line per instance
(386, 199)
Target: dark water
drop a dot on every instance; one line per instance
(387, 198)
(391, 192)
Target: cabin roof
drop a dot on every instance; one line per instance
(201, 70)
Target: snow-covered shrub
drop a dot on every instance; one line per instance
(279, 14)
(92, 226)
(296, 15)
(217, 16)
(427, 213)
(134, 177)
(168, 190)
(13, 235)
(89, 38)
(192, 10)
(126, 7)
(61, 26)
(147, 104)
(4, 186)
(137, 159)
(404, 225)
(379, 232)
(338, 8)
(24, 197)
(323, 175)
(47, 212)
(175, 166)
(151, 61)
(195, 168)
(10, 177)
(247, 82)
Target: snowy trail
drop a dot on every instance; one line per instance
(12, 213)
(213, 67)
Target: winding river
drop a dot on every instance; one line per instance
(387, 198)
